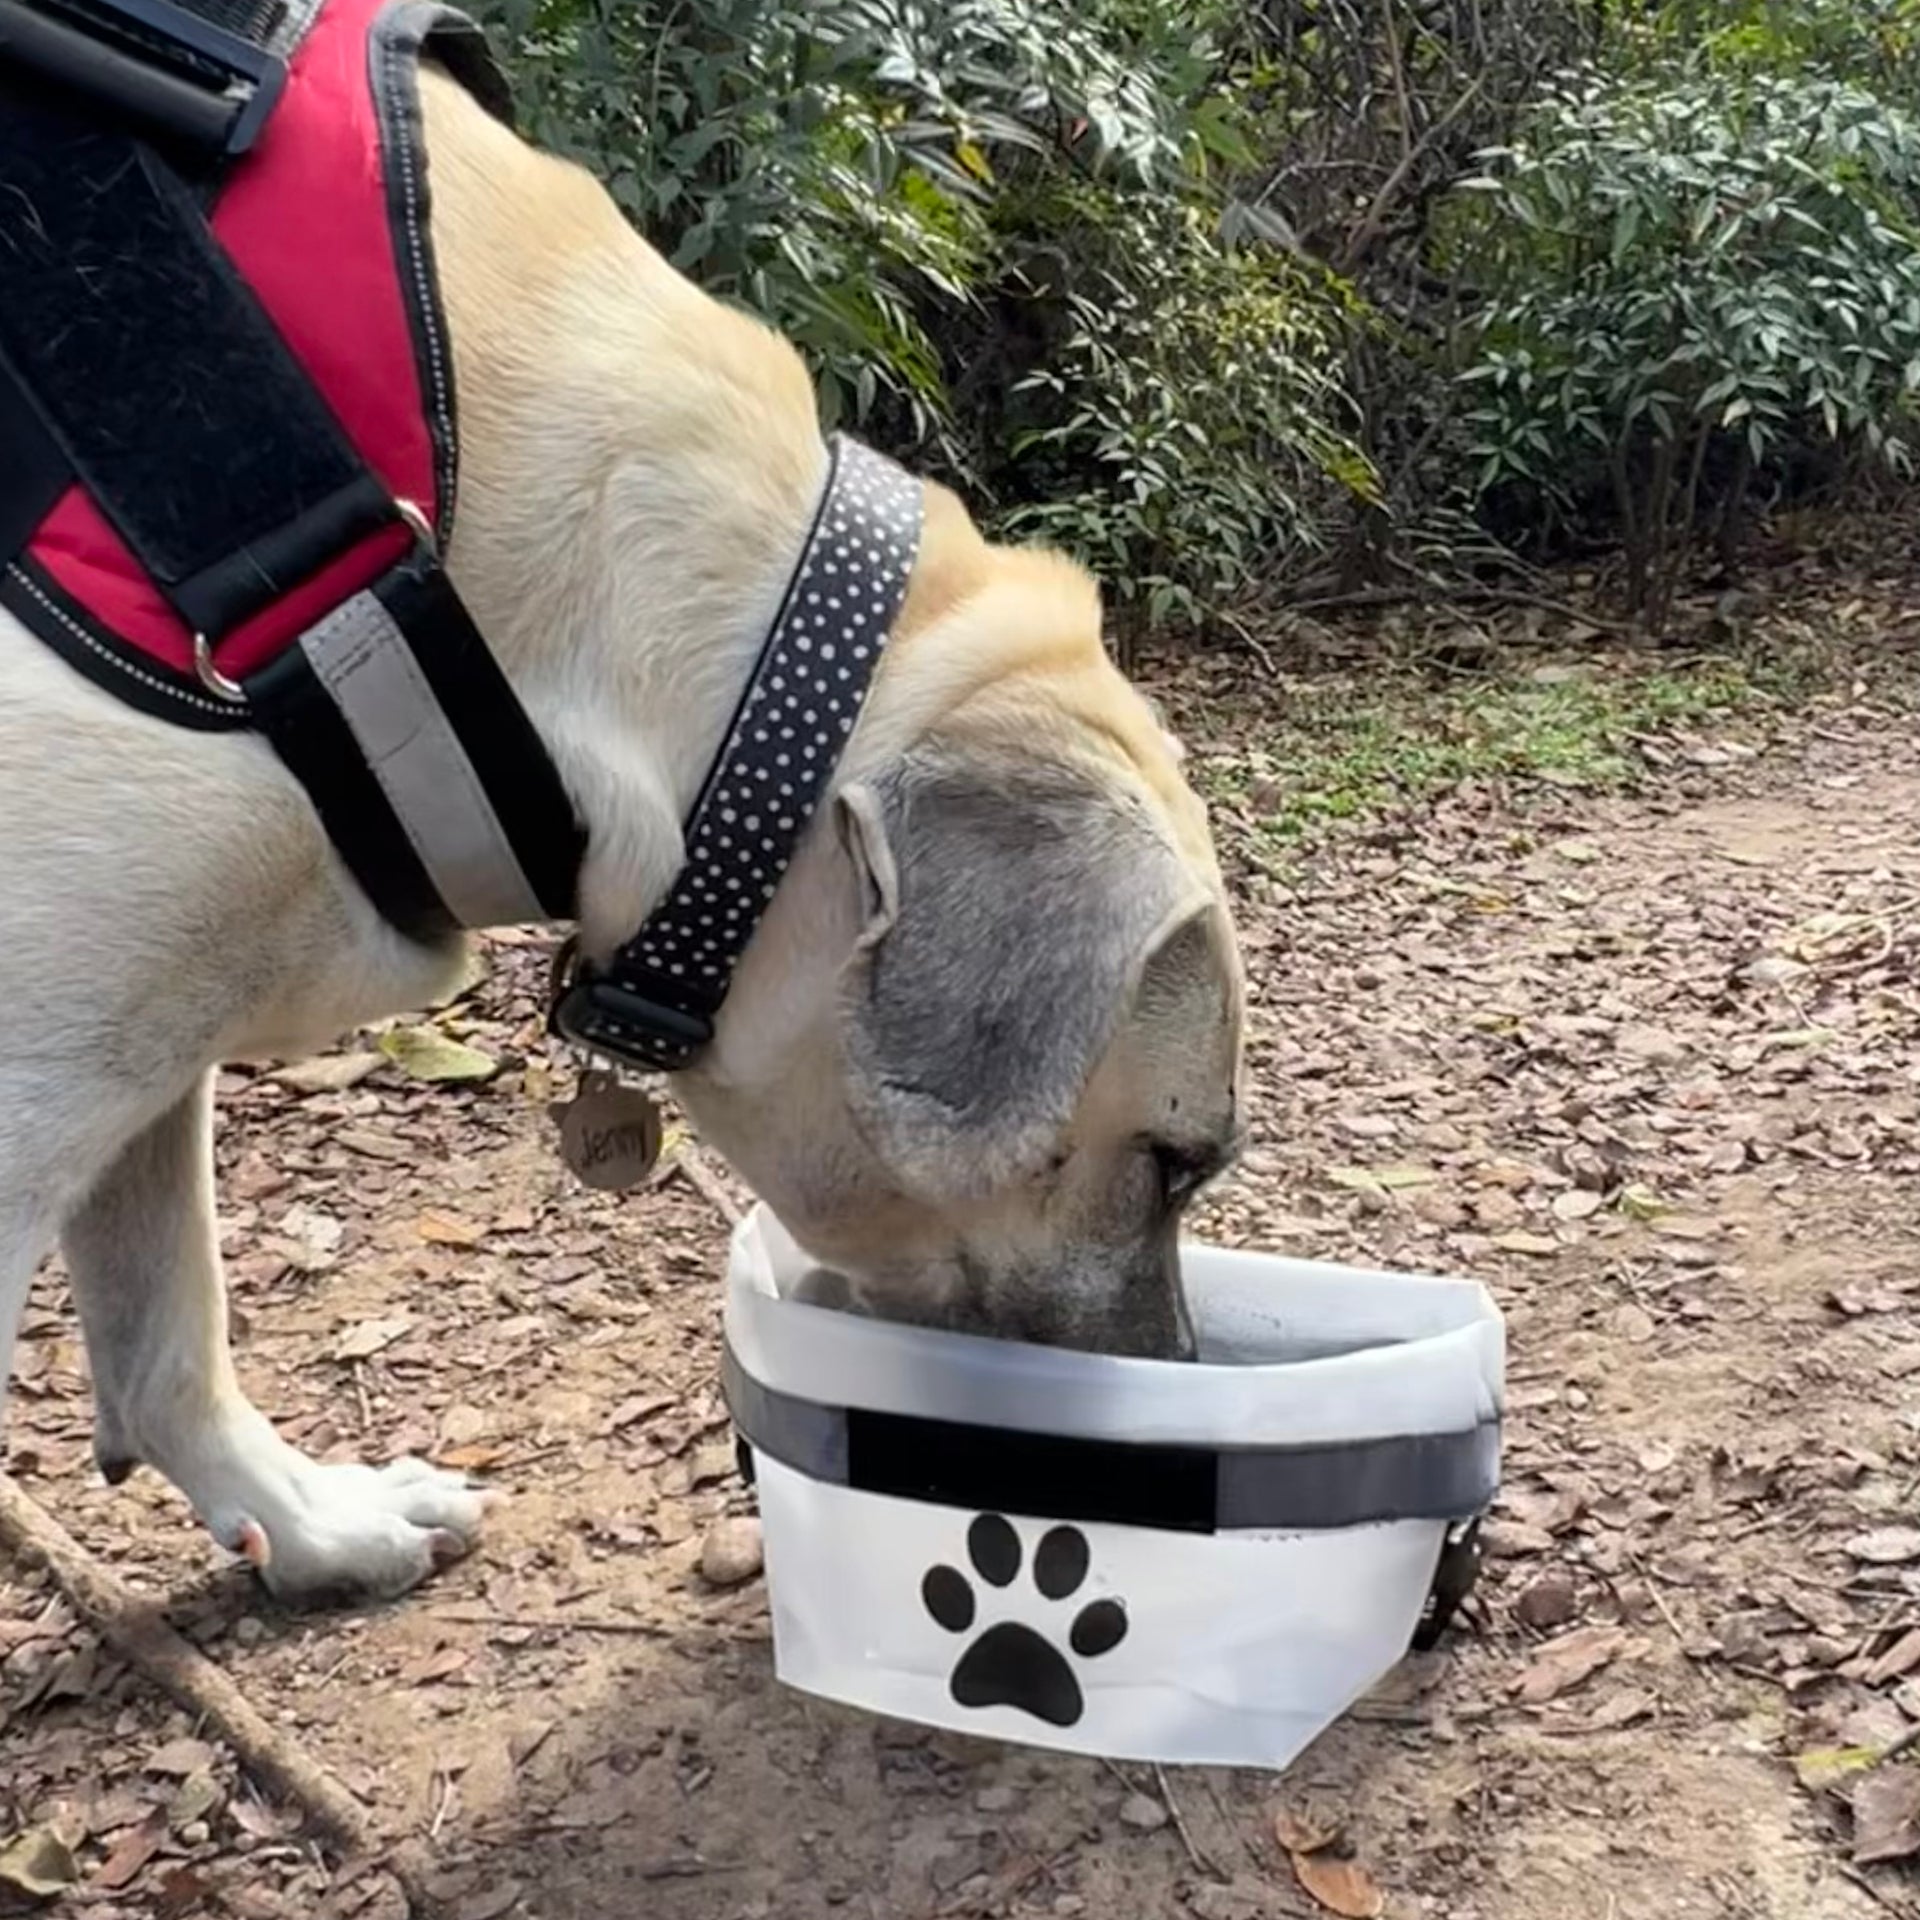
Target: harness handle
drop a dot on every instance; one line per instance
(159, 69)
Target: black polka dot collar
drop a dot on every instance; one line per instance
(654, 1003)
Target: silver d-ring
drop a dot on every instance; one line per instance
(212, 678)
(417, 524)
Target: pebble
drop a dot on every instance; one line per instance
(1551, 1601)
(996, 1799)
(1143, 1813)
(733, 1552)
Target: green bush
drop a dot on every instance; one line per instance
(1186, 430)
(1682, 283)
(1221, 297)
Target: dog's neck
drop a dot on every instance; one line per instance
(637, 470)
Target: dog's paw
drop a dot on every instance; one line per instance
(328, 1535)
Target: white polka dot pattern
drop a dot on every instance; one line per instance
(787, 737)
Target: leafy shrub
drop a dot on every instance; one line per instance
(1185, 431)
(1683, 282)
(1203, 291)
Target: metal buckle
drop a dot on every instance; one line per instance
(1454, 1577)
(223, 686)
(603, 1017)
(180, 75)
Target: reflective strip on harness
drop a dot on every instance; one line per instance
(363, 661)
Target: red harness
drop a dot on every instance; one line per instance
(227, 411)
(318, 219)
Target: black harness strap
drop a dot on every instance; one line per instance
(196, 75)
(313, 737)
(35, 472)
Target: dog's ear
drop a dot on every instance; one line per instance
(1011, 910)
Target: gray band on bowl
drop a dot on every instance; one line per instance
(1192, 1488)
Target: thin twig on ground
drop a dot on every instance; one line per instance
(1247, 638)
(1659, 1600)
(134, 1629)
(1877, 1895)
(1202, 1863)
(552, 1622)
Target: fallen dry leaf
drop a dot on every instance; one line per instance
(1902, 1657)
(37, 1863)
(178, 1758)
(462, 1424)
(449, 1230)
(1534, 1243)
(130, 1854)
(1653, 1044)
(1380, 1179)
(1634, 1323)
(1340, 1886)
(376, 1146)
(1562, 1664)
(1301, 1832)
(1886, 1815)
(1640, 1203)
(641, 1407)
(442, 1664)
(362, 1342)
(181, 1892)
(473, 1457)
(330, 1073)
(1822, 1768)
(199, 1794)
(493, 1904)
(1622, 1709)
(425, 1053)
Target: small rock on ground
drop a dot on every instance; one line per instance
(733, 1553)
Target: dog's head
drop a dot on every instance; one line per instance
(986, 1045)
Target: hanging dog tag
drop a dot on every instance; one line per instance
(609, 1133)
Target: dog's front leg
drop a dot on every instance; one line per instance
(145, 1263)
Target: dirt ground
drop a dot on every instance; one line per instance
(1648, 1062)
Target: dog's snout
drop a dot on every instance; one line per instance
(1137, 1313)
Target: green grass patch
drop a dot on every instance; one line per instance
(1351, 750)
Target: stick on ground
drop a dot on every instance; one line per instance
(134, 1629)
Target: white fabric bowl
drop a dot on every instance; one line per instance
(1198, 1562)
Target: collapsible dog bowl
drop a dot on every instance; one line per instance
(1201, 1561)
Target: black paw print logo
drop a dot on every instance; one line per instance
(1009, 1665)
